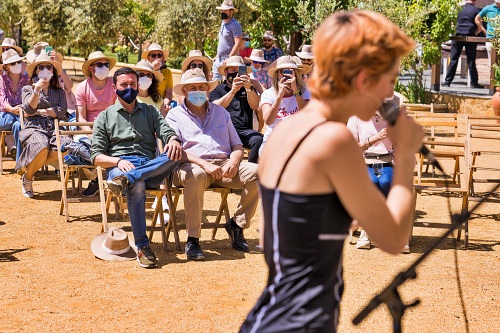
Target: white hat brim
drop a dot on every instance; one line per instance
(305, 55)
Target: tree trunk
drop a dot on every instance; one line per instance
(295, 42)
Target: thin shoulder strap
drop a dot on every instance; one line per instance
(295, 149)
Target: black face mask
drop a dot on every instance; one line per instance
(230, 77)
(224, 16)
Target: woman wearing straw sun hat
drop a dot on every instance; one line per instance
(11, 84)
(287, 95)
(43, 101)
(258, 71)
(196, 59)
(156, 55)
(149, 80)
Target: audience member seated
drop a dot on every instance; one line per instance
(238, 96)
(94, 95)
(148, 86)
(43, 101)
(258, 71)
(196, 59)
(124, 142)
(11, 85)
(306, 57)
(286, 97)
(157, 58)
(214, 153)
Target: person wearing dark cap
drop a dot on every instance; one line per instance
(465, 27)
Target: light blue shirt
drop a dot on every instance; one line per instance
(489, 12)
(227, 33)
(213, 138)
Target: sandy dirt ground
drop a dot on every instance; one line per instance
(51, 282)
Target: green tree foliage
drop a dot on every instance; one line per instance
(10, 13)
(93, 23)
(46, 20)
(311, 13)
(137, 20)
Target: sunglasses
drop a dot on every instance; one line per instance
(42, 67)
(156, 55)
(6, 49)
(200, 66)
(15, 63)
(101, 64)
(268, 40)
(146, 74)
(258, 63)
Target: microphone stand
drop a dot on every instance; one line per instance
(390, 295)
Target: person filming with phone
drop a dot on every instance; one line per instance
(287, 95)
(238, 95)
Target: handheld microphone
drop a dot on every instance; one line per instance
(390, 112)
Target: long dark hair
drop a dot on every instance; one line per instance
(54, 80)
(153, 91)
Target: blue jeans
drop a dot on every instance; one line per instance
(10, 122)
(384, 180)
(147, 174)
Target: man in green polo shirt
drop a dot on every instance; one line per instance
(124, 142)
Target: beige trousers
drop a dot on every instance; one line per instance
(195, 180)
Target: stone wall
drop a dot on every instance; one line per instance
(479, 106)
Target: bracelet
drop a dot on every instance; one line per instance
(368, 140)
(298, 92)
(119, 160)
(36, 92)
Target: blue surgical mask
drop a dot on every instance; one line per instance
(197, 98)
(247, 43)
(127, 95)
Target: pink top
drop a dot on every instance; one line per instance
(14, 98)
(95, 100)
(363, 130)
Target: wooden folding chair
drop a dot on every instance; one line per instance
(3, 148)
(444, 187)
(173, 195)
(442, 139)
(65, 128)
(484, 147)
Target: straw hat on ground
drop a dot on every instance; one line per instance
(113, 245)
(9, 42)
(269, 34)
(234, 61)
(94, 56)
(258, 55)
(154, 47)
(306, 52)
(9, 57)
(43, 58)
(196, 55)
(144, 65)
(285, 62)
(227, 4)
(306, 69)
(193, 76)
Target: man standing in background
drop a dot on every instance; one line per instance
(466, 26)
(229, 36)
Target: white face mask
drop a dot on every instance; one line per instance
(16, 69)
(145, 82)
(101, 73)
(45, 74)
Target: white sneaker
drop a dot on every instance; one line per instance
(164, 203)
(363, 241)
(28, 188)
(406, 249)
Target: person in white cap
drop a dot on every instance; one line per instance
(259, 73)
(214, 157)
(11, 85)
(230, 36)
(488, 14)
(157, 56)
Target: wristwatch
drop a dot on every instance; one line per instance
(178, 140)
(298, 92)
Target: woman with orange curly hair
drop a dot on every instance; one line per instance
(314, 185)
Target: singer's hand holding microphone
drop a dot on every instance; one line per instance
(406, 135)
